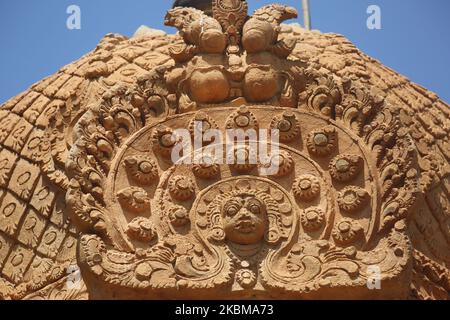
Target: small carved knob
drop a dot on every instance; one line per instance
(141, 229)
(143, 271)
(352, 199)
(181, 188)
(313, 219)
(243, 159)
(345, 167)
(288, 126)
(243, 119)
(163, 140)
(322, 142)
(306, 187)
(283, 163)
(142, 169)
(200, 124)
(206, 168)
(347, 231)
(134, 199)
(178, 216)
(246, 278)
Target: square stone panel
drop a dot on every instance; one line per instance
(17, 263)
(26, 102)
(128, 73)
(5, 245)
(33, 112)
(43, 198)
(69, 88)
(32, 147)
(53, 88)
(51, 241)
(31, 230)
(151, 60)
(59, 215)
(7, 124)
(68, 249)
(50, 110)
(24, 179)
(39, 269)
(11, 212)
(7, 162)
(18, 135)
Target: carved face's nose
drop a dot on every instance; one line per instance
(244, 214)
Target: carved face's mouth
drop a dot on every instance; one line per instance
(245, 226)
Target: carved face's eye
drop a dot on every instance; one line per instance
(231, 211)
(254, 206)
(255, 209)
(232, 208)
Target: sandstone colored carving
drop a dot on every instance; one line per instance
(87, 180)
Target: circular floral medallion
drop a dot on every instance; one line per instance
(352, 198)
(347, 231)
(288, 126)
(322, 142)
(306, 187)
(313, 219)
(142, 169)
(181, 188)
(345, 167)
(246, 278)
(141, 229)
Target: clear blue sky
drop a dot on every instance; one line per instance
(35, 42)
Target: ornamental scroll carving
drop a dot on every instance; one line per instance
(338, 204)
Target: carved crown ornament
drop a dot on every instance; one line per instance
(338, 206)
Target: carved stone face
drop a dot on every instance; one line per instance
(244, 219)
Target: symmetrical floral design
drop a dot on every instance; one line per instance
(246, 278)
(134, 199)
(181, 188)
(353, 198)
(347, 231)
(313, 219)
(211, 227)
(288, 126)
(322, 142)
(306, 187)
(345, 167)
(143, 170)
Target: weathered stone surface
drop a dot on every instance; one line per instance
(144, 31)
(87, 179)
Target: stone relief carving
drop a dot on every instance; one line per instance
(349, 180)
(321, 221)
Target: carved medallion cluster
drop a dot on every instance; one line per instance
(347, 176)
